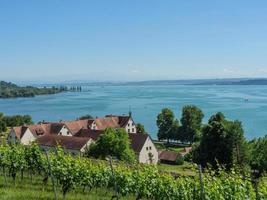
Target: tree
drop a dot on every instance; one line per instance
(114, 142)
(222, 142)
(17, 120)
(258, 149)
(86, 117)
(165, 121)
(3, 127)
(191, 124)
(140, 128)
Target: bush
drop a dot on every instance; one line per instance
(179, 160)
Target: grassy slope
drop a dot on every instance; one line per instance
(35, 190)
(186, 169)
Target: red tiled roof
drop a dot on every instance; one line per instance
(168, 156)
(75, 126)
(111, 121)
(67, 142)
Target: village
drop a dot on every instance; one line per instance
(76, 136)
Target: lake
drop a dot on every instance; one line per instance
(146, 101)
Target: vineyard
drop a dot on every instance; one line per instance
(139, 181)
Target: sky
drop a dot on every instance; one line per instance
(123, 40)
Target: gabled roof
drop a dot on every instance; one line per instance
(38, 129)
(111, 121)
(137, 141)
(75, 126)
(168, 156)
(66, 142)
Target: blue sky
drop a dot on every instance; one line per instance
(56, 40)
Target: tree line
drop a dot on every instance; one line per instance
(12, 121)
(220, 141)
(11, 90)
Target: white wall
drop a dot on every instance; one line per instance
(28, 137)
(130, 127)
(148, 147)
(93, 126)
(65, 131)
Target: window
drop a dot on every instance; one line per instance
(150, 148)
(132, 129)
(128, 125)
(147, 148)
(129, 130)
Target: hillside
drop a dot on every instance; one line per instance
(11, 90)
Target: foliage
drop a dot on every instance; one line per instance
(165, 121)
(258, 148)
(140, 128)
(114, 142)
(222, 142)
(10, 90)
(144, 181)
(86, 117)
(191, 123)
(179, 160)
(17, 120)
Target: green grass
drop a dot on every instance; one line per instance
(187, 169)
(28, 190)
(165, 148)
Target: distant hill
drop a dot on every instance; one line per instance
(11, 90)
(233, 81)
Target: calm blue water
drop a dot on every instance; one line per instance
(147, 101)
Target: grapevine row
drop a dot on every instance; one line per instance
(143, 181)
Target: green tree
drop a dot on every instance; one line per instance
(17, 120)
(3, 127)
(222, 142)
(140, 128)
(258, 157)
(165, 121)
(191, 123)
(114, 142)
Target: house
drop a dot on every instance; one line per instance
(72, 145)
(76, 125)
(168, 157)
(144, 148)
(75, 135)
(27, 134)
(113, 121)
(141, 144)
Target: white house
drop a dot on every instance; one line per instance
(141, 144)
(27, 134)
(72, 145)
(113, 121)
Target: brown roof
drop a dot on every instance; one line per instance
(67, 142)
(75, 126)
(137, 141)
(111, 121)
(168, 155)
(93, 134)
(38, 129)
(18, 131)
